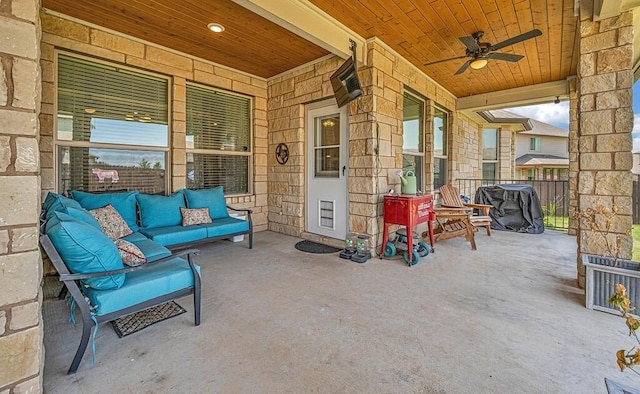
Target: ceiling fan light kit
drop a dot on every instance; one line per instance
(477, 64)
(481, 52)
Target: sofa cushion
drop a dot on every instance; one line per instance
(160, 211)
(81, 215)
(85, 249)
(142, 285)
(54, 202)
(130, 254)
(208, 198)
(134, 237)
(112, 224)
(124, 203)
(174, 235)
(195, 216)
(221, 227)
(152, 250)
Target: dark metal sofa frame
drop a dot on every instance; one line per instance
(72, 283)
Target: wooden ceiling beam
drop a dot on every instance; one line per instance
(310, 23)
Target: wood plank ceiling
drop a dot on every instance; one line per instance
(425, 31)
(249, 43)
(420, 30)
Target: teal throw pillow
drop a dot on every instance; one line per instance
(55, 202)
(160, 211)
(84, 249)
(124, 203)
(208, 198)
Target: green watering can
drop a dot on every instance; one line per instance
(408, 183)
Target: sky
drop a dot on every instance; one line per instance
(558, 114)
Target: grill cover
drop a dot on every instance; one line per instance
(515, 208)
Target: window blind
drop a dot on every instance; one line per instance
(105, 103)
(217, 120)
(229, 171)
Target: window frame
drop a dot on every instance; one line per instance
(535, 144)
(446, 123)
(420, 153)
(495, 161)
(59, 144)
(249, 153)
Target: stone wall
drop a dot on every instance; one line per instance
(506, 153)
(574, 153)
(605, 122)
(63, 34)
(465, 149)
(375, 119)
(286, 124)
(21, 335)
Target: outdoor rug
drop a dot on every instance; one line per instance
(135, 322)
(314, 247)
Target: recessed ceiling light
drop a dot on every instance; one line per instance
(215, 27)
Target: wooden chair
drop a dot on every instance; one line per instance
(451, 199)
(453, 222)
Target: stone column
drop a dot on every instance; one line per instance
(21, 348)
(178, 135)
(376, 121)
(573, 155)
(605, 122)
(506, 153)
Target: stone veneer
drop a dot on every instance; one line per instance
(383, 81)
(21, 334)
(605, 122)
(63, 34)
(506, 153)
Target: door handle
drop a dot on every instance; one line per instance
(344, 168)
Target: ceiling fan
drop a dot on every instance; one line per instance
(481, 52)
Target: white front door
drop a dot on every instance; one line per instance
(327, 170)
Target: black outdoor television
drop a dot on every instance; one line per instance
(345, 83)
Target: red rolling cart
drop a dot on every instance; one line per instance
(408, 211)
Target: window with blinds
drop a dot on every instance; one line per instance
(218, 140)
(112, 128)
(413, 137)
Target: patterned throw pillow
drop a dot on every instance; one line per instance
(130, 253)
(195, 216)
(113, 225)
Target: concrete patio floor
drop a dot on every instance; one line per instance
(507, 318)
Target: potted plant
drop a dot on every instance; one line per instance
(626, 359)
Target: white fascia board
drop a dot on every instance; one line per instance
(526, 95)
(311, 23)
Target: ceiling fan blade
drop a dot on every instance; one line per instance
(516, 39)
(463, 68)
(445, 60)
(505, 56)
(470, 42)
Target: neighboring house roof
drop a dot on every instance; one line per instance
(541, 128)
(541, 160)
(500, 116)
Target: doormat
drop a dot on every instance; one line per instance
(137, 321)
(314, 247)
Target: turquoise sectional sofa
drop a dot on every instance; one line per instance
(98, 268)
(158, 217)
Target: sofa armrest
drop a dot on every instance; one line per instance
(248, 211)
(187, 252)
(484, 208)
